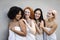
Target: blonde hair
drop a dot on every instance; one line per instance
(54, 12)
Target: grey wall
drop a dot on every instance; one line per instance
(43, 4)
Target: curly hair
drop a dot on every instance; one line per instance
(31, 12)
(14, 11)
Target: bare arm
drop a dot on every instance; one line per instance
(32, 27)
(37, 29)
(54, 27)
(23, 29)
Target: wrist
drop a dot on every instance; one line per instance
(42, 27)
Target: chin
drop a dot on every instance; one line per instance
(18, 19)
(36, 18)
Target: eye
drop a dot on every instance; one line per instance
(39, 14)
(28, 12)
(25, 11)
(35, 13)
(49, 13)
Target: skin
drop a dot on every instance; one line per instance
(37, 16)
(27, 18)
(50, 23)
(19, 23)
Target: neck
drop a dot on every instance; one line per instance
(50, 20)
(27, 18)
(15, 20)
(37, 20)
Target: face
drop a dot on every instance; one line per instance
(27, 13)
(49, 15)
(37, 14)
(18, 16)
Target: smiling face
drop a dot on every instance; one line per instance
(27, 13)
(50, 14)
(37, 14)
(18, 16)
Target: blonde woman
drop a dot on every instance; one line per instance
(51, 25)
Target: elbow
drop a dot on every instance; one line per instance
(22, 34)
(49, 34)
(25, 34)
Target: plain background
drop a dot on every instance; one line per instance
(45, 5)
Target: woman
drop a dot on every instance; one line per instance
(39, 19)
(51, 25)
(30, 25)
(17, 28)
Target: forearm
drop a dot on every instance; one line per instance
(38, 30)
(32, 29)
(45, 30)
(19, 32)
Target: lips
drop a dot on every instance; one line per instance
(37, 16)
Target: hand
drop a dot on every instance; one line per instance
(13, 28)
(38, 23)
(26, 23)
(41, 24)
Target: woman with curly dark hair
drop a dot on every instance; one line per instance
(17, 28)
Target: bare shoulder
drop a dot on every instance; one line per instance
(21, 20)
(55, 24)
(10, 24)
(22, 24)
(46, 20)
(33, 20)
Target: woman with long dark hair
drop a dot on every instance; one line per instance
(39, 19)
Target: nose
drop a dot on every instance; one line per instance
(26, 14)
